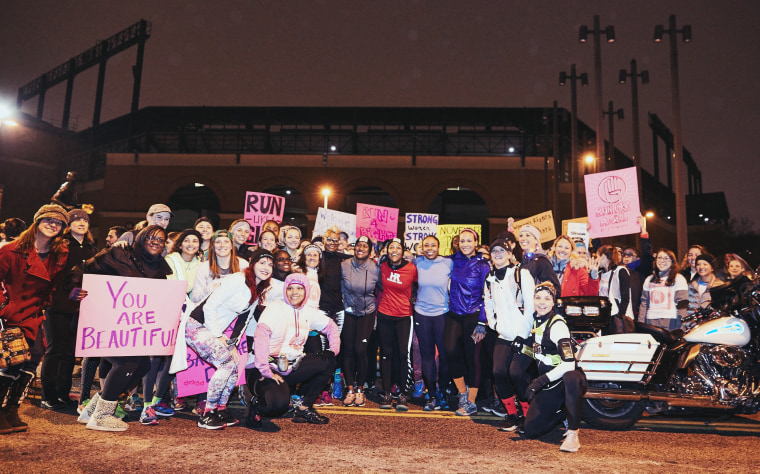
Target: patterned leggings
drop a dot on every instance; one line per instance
(214, 352)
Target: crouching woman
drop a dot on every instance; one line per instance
(559, 382)
(279, 359)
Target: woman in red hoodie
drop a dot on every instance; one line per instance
(572, 269)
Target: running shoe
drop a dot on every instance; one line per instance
(359, 400)
(162, 409)
(510, 423)
(295, 401)
(327, 400)
(227, 418)
(148, 416)
(386, 403)
(134, 403)
(403, 402)
(419, 389)
(466, 407)
(571, 444)
(495, 408)
(210, 421)
(349, 400)
(309, 415)
(200, 408)
(431, 405)
(179, 404)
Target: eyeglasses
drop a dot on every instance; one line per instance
(629, 254)
(663, 259)
(332, 241)
(158, 240)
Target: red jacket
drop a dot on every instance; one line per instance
(29, 282)
(576, 281)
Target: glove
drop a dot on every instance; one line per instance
(536, 385)
(480, 329)
(517, 345)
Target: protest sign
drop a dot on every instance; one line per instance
(376, 222)
(418, 226)
(327, 218)
(582, 220)
(612, 201)
(578, 231)
(195, 379)
(446, 233)
(259, 208)
(125, 316)
(544, 222)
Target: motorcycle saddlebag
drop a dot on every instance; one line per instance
(584, 311)
(618, 357)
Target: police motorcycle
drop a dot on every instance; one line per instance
(713, 364)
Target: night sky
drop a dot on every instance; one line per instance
(476, 53)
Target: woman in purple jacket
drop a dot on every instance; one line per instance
(464, 327)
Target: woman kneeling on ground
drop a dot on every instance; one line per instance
(279, 361)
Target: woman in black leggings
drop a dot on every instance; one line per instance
(142, 260)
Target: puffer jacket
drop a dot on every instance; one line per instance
(467, 279)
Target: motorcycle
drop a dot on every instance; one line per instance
(712, 364)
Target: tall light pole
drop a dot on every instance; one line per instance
(634, 75)
(574, 162)
(597, 32)
(682, 237)
(611, 113)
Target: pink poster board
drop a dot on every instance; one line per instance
(195, 379)
(612, 201)
(124, 316)
(376, 222)
(261, 207)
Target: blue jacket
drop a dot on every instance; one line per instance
(467, 279)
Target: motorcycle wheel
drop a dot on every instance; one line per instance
(612, 414)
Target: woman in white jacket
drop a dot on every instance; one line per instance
(238, 296)
(508, 298)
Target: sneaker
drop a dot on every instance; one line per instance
(162, 409)
(386, 403)
(419, 389)
(200, 408)
(134, 403)
(82, 406)
(571, 444)
(318, 402)
(359, 400)
(349, 400)
(510, 423)
(495, 408)
(466, 407)
(296, 401)
(337, 387)
(210, 421)
(148, 416)
(227, 418)
(442, 400)
(327, 400)
(120, 413)
(309, 415)
(431, 405)
(402, 404)
(53, 404)
(179, 404)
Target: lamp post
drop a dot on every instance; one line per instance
(326, 193)
(574, 164)
(682, 230)
(597, 32)
(611, 113)
(634, 75)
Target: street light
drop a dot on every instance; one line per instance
(326, 192)
(597, 32)
(682, 230)
(574, 165)
(611, 113)
(622, 77)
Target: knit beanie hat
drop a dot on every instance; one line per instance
(52, 211)
(532, 231)
(76, 214)
(706, 257)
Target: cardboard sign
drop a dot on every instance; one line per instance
(125, 316)
(612, 201)
(195, 379)
(259, 208)
(446, 232)
(582, 220)
(327, 218)
(544, 222)
(417, 227)
(376, 222)
(578, 230)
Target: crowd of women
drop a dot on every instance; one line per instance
(315, 312)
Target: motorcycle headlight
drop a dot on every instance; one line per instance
(573, 310)
(591, 311)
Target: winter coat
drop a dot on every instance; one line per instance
(79, 253)
(504, 298)
(29, 283)
(576, 280)
(539, 265)
(467, 279)
(358, 286)
(697, 301)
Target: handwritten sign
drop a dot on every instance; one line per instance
(417, 227)
(446, 232)
(612, 201)
(544, 222)
(125, 316)
(195, 379)
(376, 222)
(259, 208)
(580, 220)
(578, 231)
(327, 218)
